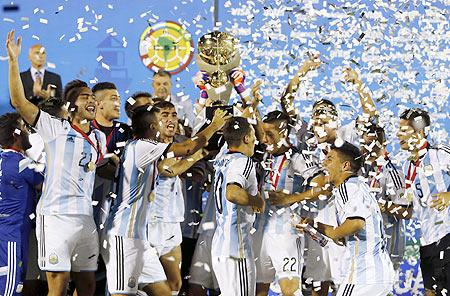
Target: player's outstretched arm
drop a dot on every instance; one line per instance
(317, 189)
(237, 195)
(350, 226)
(287, 99)
(171, 167)
(396, 210)
(25, 108)
(367, 102)
(200, 140)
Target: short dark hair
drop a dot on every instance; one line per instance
(9, 122)
(235, 129)
(351, 153)
(374, 129)
(417, 118)
(277, 117)
(72, 90)
(143, 116)
(102, 86)
(163, 105)
(162, 73)
(324, 105)
(129, 106)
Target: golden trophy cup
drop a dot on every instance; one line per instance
(217, 58)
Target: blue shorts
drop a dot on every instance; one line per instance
(12, 268)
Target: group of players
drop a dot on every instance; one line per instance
(325, 204)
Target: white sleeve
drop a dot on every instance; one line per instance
(48, 127)
(444, 157)
(355, 206)
(305, 165)
(148, 152)
(240, 171)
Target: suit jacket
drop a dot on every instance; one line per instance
(49, 78)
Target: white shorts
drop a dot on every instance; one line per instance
(280, 256)
(364, 290)
(236, 277)
(164, 236)
(67, 243)
(153, 271)
(123, 259)
(322, 264)
(201, 272)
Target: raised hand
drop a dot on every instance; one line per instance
(12, 47)
(220, 118)
(256, 93)
(312, 63)
(350, 75)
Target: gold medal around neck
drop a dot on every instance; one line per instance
(90, 166)
(409, 196)
(151, 196)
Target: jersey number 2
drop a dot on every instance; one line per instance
(289, 264)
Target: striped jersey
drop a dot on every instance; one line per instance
(326, 208)
(432, 176)
(68, 184)
(288, 173)
(168, 205)
(366, 260)
(232, 236)
(387, 182)
(136, 181)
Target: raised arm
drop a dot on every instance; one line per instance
(367, 103)
(170, 167)
(200, 140)
(287, 99)
(25, 108)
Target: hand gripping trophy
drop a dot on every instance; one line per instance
(218, 60)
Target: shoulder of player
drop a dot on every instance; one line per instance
(244, 163)
(302, 158)
(349, 189)
(442, 149)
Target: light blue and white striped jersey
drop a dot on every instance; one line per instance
(289, 173)
(168, 205)
(366, 260)
(433, 176)
(387, 182)
(68, 185)
(136, 181)
(326, 208)
(232, 237)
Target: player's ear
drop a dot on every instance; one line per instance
(346, 166)
(246, 139)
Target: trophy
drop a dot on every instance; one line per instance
(218, 60)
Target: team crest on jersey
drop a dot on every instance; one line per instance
(70, 139)
(131, 282)
(53, 258)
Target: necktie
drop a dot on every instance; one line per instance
(39, 76)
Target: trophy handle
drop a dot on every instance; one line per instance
(222, 93)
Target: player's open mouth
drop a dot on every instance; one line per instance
(90, 108)
(171, 126)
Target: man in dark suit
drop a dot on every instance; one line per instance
(40, 84)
